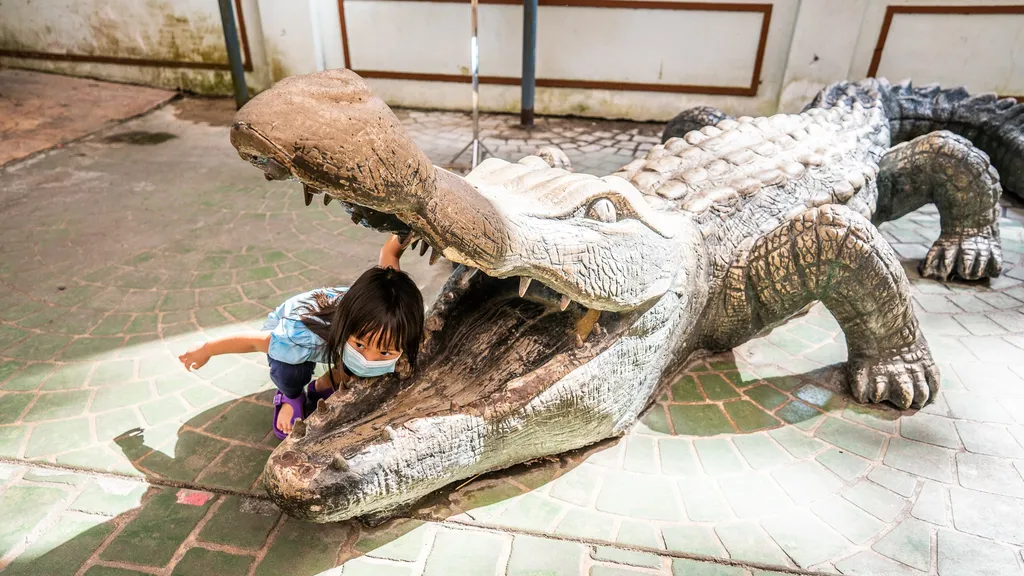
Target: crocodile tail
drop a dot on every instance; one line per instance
(993, 124)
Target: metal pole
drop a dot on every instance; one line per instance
(227, 18)
(529, 61)
(474, 62)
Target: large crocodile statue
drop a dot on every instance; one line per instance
(576, 297)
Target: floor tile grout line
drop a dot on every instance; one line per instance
(451, 523)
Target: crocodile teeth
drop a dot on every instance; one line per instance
(434, 255)
(524, 285)
(405, 242)
(307, 194)
(339, 463)
(423, 248)
(321, 407)
(298, 429)
(327, 199)
(564, 303)
(414, 243)
(579, 341)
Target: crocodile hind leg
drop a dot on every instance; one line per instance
(946, 169)
(834, 255)
(692, 119)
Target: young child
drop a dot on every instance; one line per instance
(358, 331)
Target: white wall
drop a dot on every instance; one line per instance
(416, 53)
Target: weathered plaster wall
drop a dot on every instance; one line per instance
(141, 35)
(411, 51)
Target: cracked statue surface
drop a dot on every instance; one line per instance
(575, 297)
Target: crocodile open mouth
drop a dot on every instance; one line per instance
(492, 345)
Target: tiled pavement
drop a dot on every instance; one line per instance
(116, 256)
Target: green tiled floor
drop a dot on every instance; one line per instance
(758, 455)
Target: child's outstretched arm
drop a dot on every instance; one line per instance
(391, 252)
(199, 355)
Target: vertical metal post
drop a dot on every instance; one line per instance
(227, 17)
(529, 61)
(474, 62)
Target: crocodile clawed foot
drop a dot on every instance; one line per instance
(907, 379)
(970, 257)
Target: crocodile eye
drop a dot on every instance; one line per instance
(602, 209)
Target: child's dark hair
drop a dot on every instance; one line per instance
(383, 303)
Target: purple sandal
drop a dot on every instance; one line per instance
(315, 396)
(298, 411)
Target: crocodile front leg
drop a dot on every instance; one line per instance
(946, 169)
(835, 255)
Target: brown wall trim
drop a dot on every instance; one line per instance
(126, 61)
(891, 11)
(764, 9)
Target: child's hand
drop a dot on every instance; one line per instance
(195, 358)
(392, 252)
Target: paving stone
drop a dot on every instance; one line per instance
(760, 452)
(717, 388)
(530, 512)
(304, 548)
(930, 429)
(151, 538)
(898, 482)
(586, 524)
(65, 545)
(678, 457)
(112, 397)
(748, 416)
(817, 396)
(872, 498)
(683, 567)
(656, 419)
(12, 405)
(633, 534)
(970, 406)
(847, 519)
(109, 496)
(989, 474)
(842, 464)
(638, 496)
(577, 486)
(797, 443)
(641, 455)
(806, 481)
(989, 439)
(962, 555)
(702, 500)
(237, 469)
(699, 420)
(482, 499)
(29, 378)
(919, 459)
(464, 553)
(232, 525)
(58, 436)
(909, 543)
(693, 539)
(192, 453)
(872, 564)
(718, 457)
(201, 562)
(754, 495)
(373, 567)
(613, 570)
(931, 504)
(57, 405)
(401, 540)
(533, 556)
(805, 538)
(879, 418)
(856, 439)
(766, 396)
(988, 515)
(749, 542)
(42, 346)
(244, 421)
(22, 507)
(68, 377)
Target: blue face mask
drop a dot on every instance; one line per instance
(364, 368)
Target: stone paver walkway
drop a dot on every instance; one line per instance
(118, 253)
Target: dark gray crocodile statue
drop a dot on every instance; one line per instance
(576, 297)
